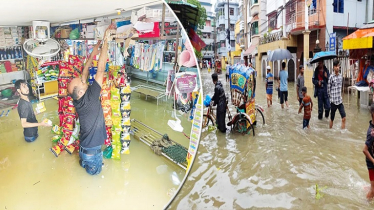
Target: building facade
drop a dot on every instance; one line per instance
(222, 15)
(208, 31)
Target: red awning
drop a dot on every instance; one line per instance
(250, 49)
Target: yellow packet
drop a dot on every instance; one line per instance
(40, 107)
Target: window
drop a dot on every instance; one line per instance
(254, 29)
(231, 11)
(232, 44)
(232, 27)
(272, 21)
(313, 7)
(254, 2)
(338, 6)
(207, 23)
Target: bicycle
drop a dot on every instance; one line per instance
(210, 117)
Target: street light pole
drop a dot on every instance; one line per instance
(229, 27)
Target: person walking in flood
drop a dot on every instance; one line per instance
(320, 80)
(283, 76)
(227, 72)
(269, 86)
(334, 91)
(25, 111)
(369, 153)
(219, 99)
(86, 99)
(307, 104)
(300, 84)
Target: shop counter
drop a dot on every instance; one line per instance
(365, 95)
(149, 91)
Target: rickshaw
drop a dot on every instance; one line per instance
(218, 66)
(242, 88)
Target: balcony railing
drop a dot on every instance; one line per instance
(296, 20)
(268, 38)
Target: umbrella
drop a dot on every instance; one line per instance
(269, 53)
(280, 54)
(320, 56)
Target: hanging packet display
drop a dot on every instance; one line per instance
(116, 136)
(126, 113)
(64, 70)
(125, 147)
(126, 97)
(125, 122)
(115, 95)
(116, 153)
(108, 140)
(68, 122)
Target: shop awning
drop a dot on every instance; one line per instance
(251, 49)
(186, 13)
(360, 39)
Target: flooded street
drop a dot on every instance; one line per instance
(31, 177)
(280, 167)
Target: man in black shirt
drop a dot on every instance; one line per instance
(86, 100)
(26, 113)
(219, 99)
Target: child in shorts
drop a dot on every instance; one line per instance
(368, 151)
(307, 104)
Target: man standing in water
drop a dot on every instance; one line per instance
(320, 80)
(300, 84)
(283, 75)
(86, 100)
(334, 91)
(227, 72)
(219, 99)
(26, 113)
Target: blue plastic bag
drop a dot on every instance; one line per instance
(207, 100)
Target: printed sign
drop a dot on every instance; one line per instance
(186, 83)
(195, 132)
(332, 41)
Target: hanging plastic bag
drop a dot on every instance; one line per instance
(108, 152)
(74, 34)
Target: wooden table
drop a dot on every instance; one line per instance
(149, 91)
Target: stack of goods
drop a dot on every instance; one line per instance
(116, 107)
(68, 131)
(147, 57)
(47, 73)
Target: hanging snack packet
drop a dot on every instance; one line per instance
(126, 97)
(60, 105)
(116, 111)
(116, 153)
(126, 129)
(116, 136)
(125, 90)
(126, 113)
(105, 94)
(67, 133)
(49, 122)
(108, 140)
(64, 70)
(125, 106)
(125, 136)
(70, 108)
(108, 152)
(125, 147)
(125, 122)
(115, 96)
(68, 122)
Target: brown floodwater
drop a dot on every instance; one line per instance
(31, 177)
(280, 166)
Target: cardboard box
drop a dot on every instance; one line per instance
(65, 33)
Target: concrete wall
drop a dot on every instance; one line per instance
(356, 11)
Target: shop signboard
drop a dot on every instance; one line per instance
(195, 132)
(170, 28)
(332, 42)
(186, 83)
(154, 33)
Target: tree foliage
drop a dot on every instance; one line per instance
(203, 16)
(198, 54)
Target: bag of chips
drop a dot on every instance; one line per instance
(108, 140)
(126, 97)
(116, 153)
(116, 136)
(56, 129)
(64, 70)
(62, 87)
(68, 122)
(116, 111)
(125, 106)
(125, 122)
(105, 94)
(125, 90)
(56, 138)
(70, 108)
(115, 96)
(125, 147)
(125, 136)
(67, 133)
(126, 129)
(61, 105)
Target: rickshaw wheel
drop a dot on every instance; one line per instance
(206, 120)
(241, 126)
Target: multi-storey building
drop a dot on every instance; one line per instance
(222, 15)
(208, 31)
(286, 28)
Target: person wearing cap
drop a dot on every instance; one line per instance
(334, 91)
(269, 86)
(26, 114)
(300, 84)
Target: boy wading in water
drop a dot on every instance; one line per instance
(26, 112)
(368, 151)
(307, 104)
(269, 86)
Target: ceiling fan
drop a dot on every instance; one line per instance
(40, 45)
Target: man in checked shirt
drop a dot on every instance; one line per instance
(334, 91)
